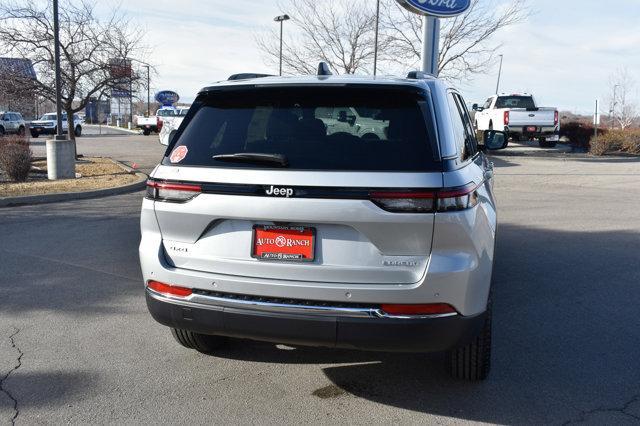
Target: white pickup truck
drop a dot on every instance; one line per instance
(520, 117)
(170, 125)
(154, 123)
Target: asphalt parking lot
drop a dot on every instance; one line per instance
(80, 347)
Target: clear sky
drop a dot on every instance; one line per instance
(564, 53)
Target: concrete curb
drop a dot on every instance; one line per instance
(69, 196)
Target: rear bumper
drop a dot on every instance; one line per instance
(540, 131)
(350, 330)
(42, 130)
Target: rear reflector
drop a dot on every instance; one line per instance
(171, 191)
(428, 309)
(169, 289)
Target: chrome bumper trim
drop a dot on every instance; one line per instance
(220, 303)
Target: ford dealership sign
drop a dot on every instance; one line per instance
(167, 97)
(437, 8)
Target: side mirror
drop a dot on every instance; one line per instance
(495, 139)
(474, 107)
(351, 120)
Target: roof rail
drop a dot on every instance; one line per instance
(323, 69)
(247, 75)
(419, 75)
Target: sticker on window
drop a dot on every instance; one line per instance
(178, 154)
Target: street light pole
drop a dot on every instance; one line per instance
(375, 49)
(281, 19)
(499, 74)
(56, 49)
(148, 91)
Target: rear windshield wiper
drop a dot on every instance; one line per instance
(254, 157)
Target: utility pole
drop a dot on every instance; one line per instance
(61, 151)
(56, 50)
(130, 96)
(375, 49)
(281, 19)
(499, 74)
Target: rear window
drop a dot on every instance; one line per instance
(319, 128)
(515, 102)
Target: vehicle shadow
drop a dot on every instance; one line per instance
(566, 338)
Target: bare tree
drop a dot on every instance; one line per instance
(466, 45)
(338, 32)
(88, 45)
(624, 110)
(341, 33)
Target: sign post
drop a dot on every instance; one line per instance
(433, 10)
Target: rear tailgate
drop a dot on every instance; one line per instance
(323, 188)
(543, 117)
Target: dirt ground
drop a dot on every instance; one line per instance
(95, 173)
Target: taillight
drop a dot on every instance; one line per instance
(171, 191)
(405, 202)
(506, 118)
(555, 118)
(444, 200)
(427, 309)
(159, 124)
(168, 289)
(462, 198)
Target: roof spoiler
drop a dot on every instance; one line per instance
(419, 75)
(246, 76)
(323, 69)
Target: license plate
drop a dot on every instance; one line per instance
(289, 243)
(531, 129)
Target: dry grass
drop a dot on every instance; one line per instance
(97, 173)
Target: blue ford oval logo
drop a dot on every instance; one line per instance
(439, 8)
(167, 97)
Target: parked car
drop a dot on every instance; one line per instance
(520, 117)
(12, 122)
(154, 123)
(260, 223)
(171, 124)
(47, 125)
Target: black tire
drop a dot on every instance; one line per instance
(1, 131)
(35, 134)
(21, 131)
(473, 362)
(200, 342)
(552, 144)
(543, 143)
(78, 131)
(146, 132)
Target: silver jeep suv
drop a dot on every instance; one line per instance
(278, 214)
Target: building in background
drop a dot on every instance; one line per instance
(97, 111)
(16, 92)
